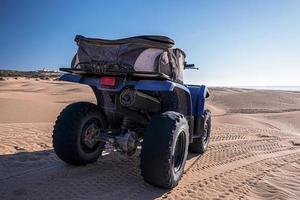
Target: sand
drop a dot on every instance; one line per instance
(254, 151)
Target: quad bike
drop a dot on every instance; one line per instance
(141, 101)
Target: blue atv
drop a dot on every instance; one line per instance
(141, 101)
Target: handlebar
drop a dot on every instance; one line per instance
(190, 66)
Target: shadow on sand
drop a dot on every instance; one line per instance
(41, 175)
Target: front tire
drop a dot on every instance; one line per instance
(200, 144)
(165, 149)
(74, 132)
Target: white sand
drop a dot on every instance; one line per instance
(254, 151)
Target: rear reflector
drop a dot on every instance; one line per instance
(108, 81)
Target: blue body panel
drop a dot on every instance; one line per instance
(147, 85)
(198, 94)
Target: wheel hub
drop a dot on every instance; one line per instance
(89, 135)
(179, 152)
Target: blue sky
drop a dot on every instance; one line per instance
(234, 43)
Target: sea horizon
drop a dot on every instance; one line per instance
(284, 88)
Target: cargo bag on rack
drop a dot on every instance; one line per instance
(141, 54)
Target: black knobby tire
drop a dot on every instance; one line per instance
(200, 144)
(164, 149)
(69, 130)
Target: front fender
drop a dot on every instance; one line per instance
(199, 95)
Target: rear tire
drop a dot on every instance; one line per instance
(200, 145)
(164, 149)
(74, 131)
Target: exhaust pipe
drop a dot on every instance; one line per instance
(131, 98)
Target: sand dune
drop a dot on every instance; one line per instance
(254, 151)
(38, 101)
(255, 101)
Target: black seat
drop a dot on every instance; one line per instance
(151, 40)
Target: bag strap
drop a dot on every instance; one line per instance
(173, 72)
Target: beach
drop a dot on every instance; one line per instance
(254, 150)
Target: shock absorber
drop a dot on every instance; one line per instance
(126, 124)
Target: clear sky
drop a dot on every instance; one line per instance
(233, 42)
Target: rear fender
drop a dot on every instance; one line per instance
(146, 85)
(91, 81)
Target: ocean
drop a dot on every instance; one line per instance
(286, 88)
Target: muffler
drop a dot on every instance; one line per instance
(131, 98)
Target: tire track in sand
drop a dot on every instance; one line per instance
(234, 181)
(228, 158)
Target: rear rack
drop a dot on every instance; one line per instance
(137, 74)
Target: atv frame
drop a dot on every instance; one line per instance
(192, 96)
(135, 106)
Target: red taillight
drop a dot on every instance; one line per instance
(108, 81)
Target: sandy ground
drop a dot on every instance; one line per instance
(254, 151)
